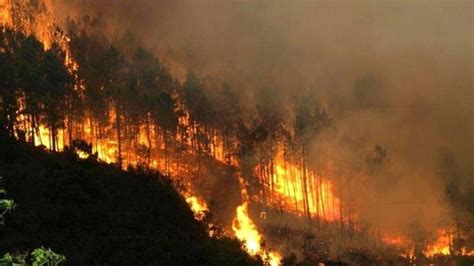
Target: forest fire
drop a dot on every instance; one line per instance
(4, 12)
(441, 245)
(112, 101)
(197, 205)
(319, 199)
(246, 231)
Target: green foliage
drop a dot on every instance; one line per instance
(6, 205)
(46, 257)
(38, 257)
(14, 259)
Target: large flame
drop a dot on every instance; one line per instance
(42, 27)
(246, 231)
(197, 205)
(298, 189)
(4, 13)
(292, 186)
(441, 245)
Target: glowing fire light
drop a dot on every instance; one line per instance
(4, 12)
(289, 192)
(246, 231)
(197, 205)
(287, 178)
(396, 241)
(106, 148)
(440, 246)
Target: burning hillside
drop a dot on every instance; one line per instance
(365, 169)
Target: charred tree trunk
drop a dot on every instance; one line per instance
(272, 185)
(11, 122)
(53, 138)
(305, 184)
(322, 197)
(341, 220)
(33, 129)
(165, 143)
(458, 240)
(119, 142)
(92, 131)
(69, 128)
(148, 136)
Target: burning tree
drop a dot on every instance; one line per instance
(124, 105)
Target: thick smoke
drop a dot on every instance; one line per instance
(395, 74)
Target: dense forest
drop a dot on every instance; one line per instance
(120, 137)
(132, 111)
(96, 214)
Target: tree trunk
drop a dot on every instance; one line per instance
(11, 122)
(33, 127)
(305, 184)
(148, 136)
(53, 138)
(165, 136)
(119, 142)
(341, 220)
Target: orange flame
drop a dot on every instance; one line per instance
(4, 13)
(288, 191)
(440, 246)
(246, 231)
(197, 205)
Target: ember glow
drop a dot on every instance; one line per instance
(4, 12)
(289, 184)
(305, 162)
(197, 205)
(107, 150)
(246, 231)
(441, 245)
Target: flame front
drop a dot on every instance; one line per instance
(4, 12)
(319, 200)
(246, 231)
(441, 245)
(288, 184)
(197, 205)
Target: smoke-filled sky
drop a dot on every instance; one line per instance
(257, 41)
(414, 57)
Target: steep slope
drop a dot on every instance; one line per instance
(95, 214)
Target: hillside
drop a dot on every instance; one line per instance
(95, 214)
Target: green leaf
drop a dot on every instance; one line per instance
(42, 256)
(14, 260)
